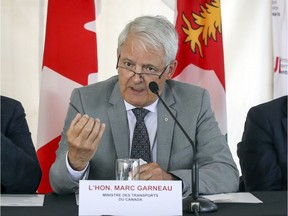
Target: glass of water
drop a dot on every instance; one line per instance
(127, 169)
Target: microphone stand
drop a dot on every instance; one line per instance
(192, 203)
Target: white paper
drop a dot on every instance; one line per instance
(244, 197)
(127, 197)
(21, 200)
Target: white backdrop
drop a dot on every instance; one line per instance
(247, 35)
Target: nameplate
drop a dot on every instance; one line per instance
(130, 198)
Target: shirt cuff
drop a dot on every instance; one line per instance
(74, 174)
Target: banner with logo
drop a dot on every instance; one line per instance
(280, 47)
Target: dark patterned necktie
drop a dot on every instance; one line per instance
(140, 142)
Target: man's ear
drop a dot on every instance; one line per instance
(172, 67)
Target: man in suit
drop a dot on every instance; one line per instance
(263, 149)
(20, 169)
(100, 122)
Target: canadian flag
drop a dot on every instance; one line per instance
(69, 61)
(200, 56)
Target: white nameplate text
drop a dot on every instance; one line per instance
(130, 198)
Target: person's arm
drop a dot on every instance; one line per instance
(20, 169)
(79, 141)
(218, 172)
(74, 174)
(256, 151)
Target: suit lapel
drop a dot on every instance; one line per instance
(120, 130)
(119, 123)
(165, 129)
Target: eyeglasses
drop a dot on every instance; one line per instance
(148, 70)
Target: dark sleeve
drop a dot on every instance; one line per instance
(20, 169)
(257, 154)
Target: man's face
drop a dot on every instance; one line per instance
(134, 56)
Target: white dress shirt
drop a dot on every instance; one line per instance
(151, 124)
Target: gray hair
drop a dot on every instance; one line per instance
(156, 31)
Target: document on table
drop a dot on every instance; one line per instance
(244, 197)
(21, 199)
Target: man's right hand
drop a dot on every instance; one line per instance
(83, 137)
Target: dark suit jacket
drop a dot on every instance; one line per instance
(263, 149)
(191, 104)
(20, 170)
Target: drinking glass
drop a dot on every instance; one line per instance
(127, 169)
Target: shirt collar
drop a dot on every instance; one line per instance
(152, 107)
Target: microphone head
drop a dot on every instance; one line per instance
(153, 86)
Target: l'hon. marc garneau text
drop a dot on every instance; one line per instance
(130, 188)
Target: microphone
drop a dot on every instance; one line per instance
(192, 203)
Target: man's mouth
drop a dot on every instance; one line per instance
(138, 89)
